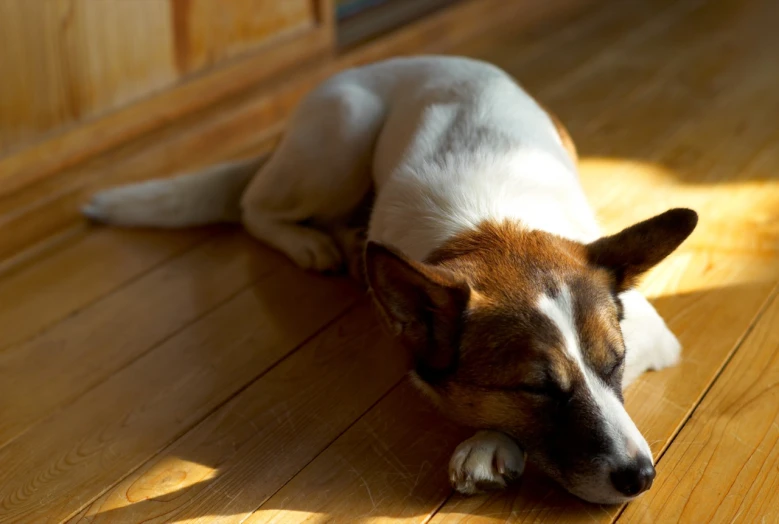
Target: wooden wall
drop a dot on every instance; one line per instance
(66, 61)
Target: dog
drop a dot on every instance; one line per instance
(483, 258)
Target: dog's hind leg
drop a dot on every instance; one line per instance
(319, 174)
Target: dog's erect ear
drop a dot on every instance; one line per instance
(635, 250)
(422, 305)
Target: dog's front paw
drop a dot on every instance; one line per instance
(488, 460)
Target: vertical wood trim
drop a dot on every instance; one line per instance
(325, 16)
(180, 10)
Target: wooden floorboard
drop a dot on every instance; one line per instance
(255, 444)
(43, 293)
(724, 465)
(112, 332)
(345, 483)
(118, 425)
(197, 376)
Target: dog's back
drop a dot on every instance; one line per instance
(462, 143)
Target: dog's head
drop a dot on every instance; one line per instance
(519, 331)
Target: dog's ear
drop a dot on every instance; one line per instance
(635, 250)
(422, 305)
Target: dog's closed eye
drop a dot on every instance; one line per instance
(547, 389)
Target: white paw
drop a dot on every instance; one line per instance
(311, 249)
(488, 460)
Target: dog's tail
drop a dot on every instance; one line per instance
(206, 197)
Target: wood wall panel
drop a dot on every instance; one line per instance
(208, 32)
(66, 61)
(63, 61)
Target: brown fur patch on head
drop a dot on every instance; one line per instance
(511, 268)
(510, 348)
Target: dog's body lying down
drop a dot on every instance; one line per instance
(484, 259)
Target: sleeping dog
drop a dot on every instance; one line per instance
(484, 260)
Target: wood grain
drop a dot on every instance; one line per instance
(32, 216)
(65, 61)
(82, 272)
(253, 445)
(724, 464)
(208, 33)
(123, 421)
(165, 300)
(383, 469)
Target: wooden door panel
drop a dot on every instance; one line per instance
(209, 32)
(64, 62)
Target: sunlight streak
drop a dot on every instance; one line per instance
(170, 475)
(738, 227)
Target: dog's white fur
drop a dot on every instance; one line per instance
(450, 142)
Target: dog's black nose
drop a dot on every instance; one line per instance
(634, 478)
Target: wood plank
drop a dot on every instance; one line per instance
(95, 261)
(638, 23)
(724, 464)
(249, 448)
(78, 274)
(616, 106)
(385, 468)
(31, 216)
(40, 375)
(119, 424)
(574, 43)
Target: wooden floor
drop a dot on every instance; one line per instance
(198, 376)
